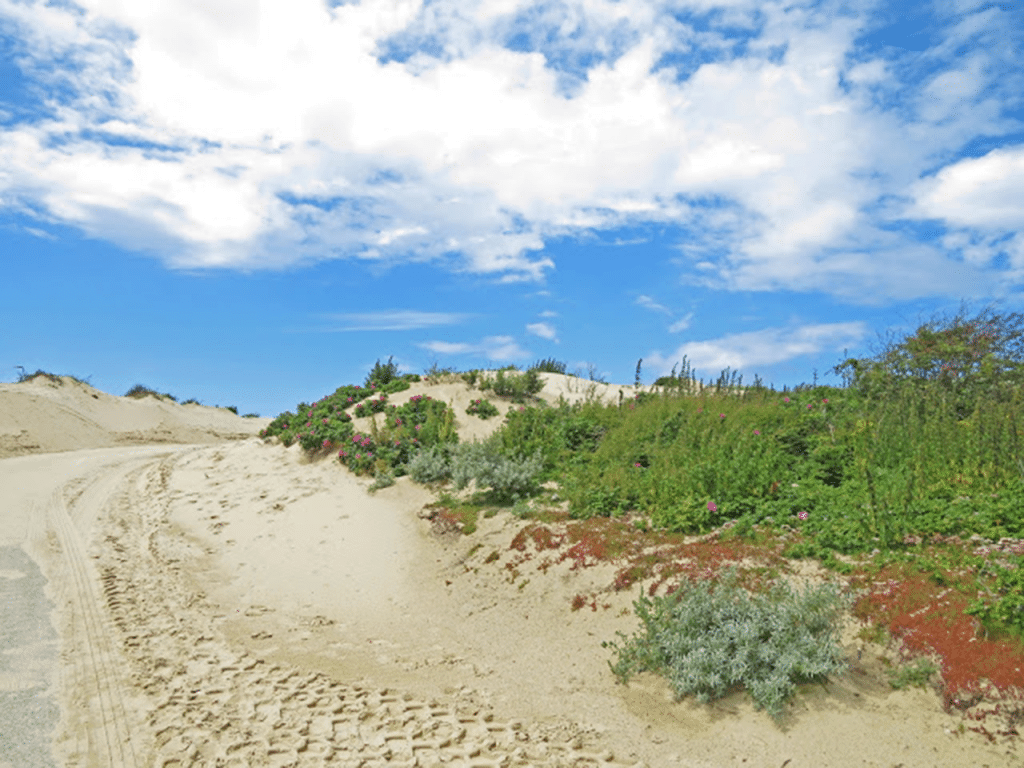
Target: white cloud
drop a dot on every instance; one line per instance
(681, 325)
(277, 137)
(392, 320)
(548, 313)
(500, 349)
(983, 192)
(544, 330)
(648, 303)
(744, 351)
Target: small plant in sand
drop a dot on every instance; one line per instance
(710, 640)
(139, 391)
(483, 409)
(917, 674)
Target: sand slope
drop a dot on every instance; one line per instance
(43, 416)
(236, 604)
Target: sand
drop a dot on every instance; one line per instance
(217, 600)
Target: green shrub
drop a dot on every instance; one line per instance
(516, 387)
(484, 409)
(708, 640)
(139, 391)
(1004, 611)
(382, 480)
(430, 465)
(382, 374)
(548, 366)
(505, 477)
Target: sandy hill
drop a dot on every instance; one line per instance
(47, 415)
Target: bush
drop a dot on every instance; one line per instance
(506, 477)
(382, 480)
(482, 408)
(431, 465)
(382, 374)
(708, 640)
(548, 366)
(516, 387)
(139, 391)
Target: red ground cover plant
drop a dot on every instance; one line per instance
(930, 619)
(925, 611)
(666, 558)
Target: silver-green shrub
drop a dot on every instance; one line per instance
(707, 640)
(430, 465)
(505, 476)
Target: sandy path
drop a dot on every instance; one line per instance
(236, 605)
(153, 681)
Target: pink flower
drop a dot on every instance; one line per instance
(824, 400)
(809, 406)
(802, 515)
(721, 415)
(637, 464)
(418, 426)
(785, 399)
(359, 455)
(324, 420)
(757, 431)
(326, 443)
(712, 507)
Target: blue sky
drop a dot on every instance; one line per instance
(250, 203)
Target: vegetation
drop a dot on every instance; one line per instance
(549, 365)
(710, 638)
(53, 377)
(482, 408)
(908, 479)
(139, 391)
(518, 388)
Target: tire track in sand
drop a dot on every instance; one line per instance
(98, 693)
(211, 704)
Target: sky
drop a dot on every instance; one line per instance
(250, 202)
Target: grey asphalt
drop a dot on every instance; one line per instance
(29, 648)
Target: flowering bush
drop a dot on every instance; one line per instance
(377, 405)
(482, 408)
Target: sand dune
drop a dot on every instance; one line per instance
(45, 415)
(224, 601)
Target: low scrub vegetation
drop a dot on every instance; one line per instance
(908, 480)
(711, 638)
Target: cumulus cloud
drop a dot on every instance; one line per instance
(467, 133)
(544, 330)
(769, 346)
(985, 192)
